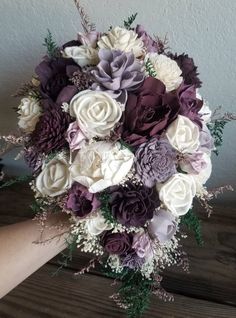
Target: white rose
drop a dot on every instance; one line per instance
(100, 165)
(177, 193)
(183, 135)
(204, 174)
(97, 224)
(82, 55)
(122, 39)
(54, 178)
(30, 112)
(167, 70)
(96, 113)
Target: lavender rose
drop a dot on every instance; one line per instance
(148, 42)
(117, 72)
(148, 112)
(163, 226)
(132, 205)
(142, 245)
(81, 201)
(75, 137)
(155, 161)
(116, 243)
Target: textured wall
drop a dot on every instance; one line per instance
(206, 29)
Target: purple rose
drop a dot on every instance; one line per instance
(54, 75)
(117, 72)
(149, 43)
(193, 163)
(81, 201)
(142, 245)
(163, 226)
(132, 205)
(148, 112)
(133, 261)
(116, 243)
(155, 161)
(74, 136)
(190, 105)
(188, 68)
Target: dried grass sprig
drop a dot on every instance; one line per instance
(85, 20)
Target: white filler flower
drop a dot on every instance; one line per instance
(167, 70)
(122, 39)
(101, 164)
(29, 111)
(96, 113)
(177, 193)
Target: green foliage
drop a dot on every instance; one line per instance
(15, 181)
(68, 254)
(194, 224)
(105, 209)
(217, 128)
(129, 21)
(134, 292)
(150, 69)
(52, 48)
(125, 145)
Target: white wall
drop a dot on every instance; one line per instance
(205, 29)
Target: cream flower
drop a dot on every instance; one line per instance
(177, 193)
(204, 174)
(82, 55)
(167, 70)
(97, 224)
(54, 178)
(96, 113)
(183, 135)
(122, 39)
(100, 165)
(29, 111)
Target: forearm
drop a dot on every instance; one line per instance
(21, 255)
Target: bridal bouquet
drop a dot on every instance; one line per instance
(118, 136)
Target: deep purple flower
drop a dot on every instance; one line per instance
(116, 243)
(133, 261)
(155, 161)
(148, 41)
(148, 112)
(32, 158)
(132, 205)
(81, 201)
(190, 105)
(54, 75)
(49, 133)
(117, 72)
(188, 68)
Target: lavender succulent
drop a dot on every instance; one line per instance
(117, 72)
(155, 161)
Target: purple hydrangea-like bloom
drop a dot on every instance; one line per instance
(133, 261)
(155, 161)
(81, 201)
(132, 205)
(142, 245)
(117, 72)
(149, 43)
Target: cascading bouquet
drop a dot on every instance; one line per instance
(118, 136)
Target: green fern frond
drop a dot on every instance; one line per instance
(194, 224)
(52, 48)
(217, 129)
(105, 209)
(150, 68)
(129, 21)
(15, 181)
